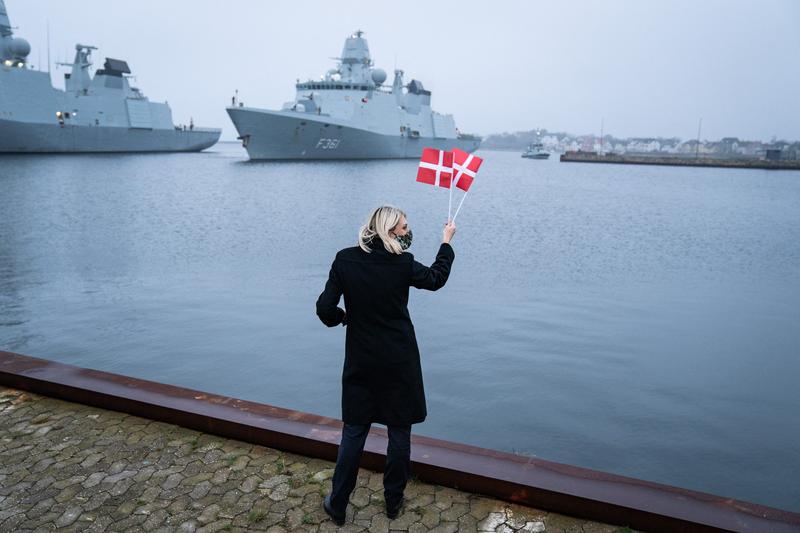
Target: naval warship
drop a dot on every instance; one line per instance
(99, 113)
(350, 114)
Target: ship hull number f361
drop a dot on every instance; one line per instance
(328, 144)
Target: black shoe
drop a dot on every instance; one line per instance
(326, 504)
(393, 511)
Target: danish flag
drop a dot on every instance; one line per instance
(435, 167)
(465, 167)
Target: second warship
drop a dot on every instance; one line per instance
(350, 114)
(100, 113)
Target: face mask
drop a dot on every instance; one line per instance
(405, 240)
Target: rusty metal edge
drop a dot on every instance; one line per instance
(546, 485)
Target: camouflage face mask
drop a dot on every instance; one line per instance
(405, 240)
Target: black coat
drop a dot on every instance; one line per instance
(382, 377)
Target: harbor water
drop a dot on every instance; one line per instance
(633, 319)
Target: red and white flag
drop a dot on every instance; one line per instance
(435, 167)
(465, 167)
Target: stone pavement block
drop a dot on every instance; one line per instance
(431, 516)
(43, 521)
(492, 521)
(360, 497)
(43, 482)
(67, 493)
(69, 516)
(467, 523)
(456, 511)
(369, 512)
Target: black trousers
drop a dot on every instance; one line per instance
(395, 474)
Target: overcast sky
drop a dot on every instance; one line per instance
(650, 68)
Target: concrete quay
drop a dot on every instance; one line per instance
(678, 161)
(551, 491)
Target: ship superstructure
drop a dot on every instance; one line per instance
(350, 113)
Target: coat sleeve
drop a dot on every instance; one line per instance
(328, 309)
(435, 276)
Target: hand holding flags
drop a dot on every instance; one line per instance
(442, 168)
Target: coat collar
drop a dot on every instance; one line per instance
(376, 245)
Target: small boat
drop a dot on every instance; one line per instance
(535, 151)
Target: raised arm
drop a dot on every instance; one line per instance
(328, 309)
(433, 277)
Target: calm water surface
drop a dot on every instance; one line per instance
(637, 320)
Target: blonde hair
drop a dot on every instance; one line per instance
(380, 223)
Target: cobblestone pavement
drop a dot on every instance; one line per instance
(69, 467)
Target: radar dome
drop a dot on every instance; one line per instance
(18, 48)
(378, 76)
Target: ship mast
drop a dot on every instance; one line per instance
(5, 24)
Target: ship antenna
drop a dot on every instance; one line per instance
(48, 46)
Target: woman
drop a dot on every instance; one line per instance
(382, 377)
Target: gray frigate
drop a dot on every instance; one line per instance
(94, 113)
(349, 113)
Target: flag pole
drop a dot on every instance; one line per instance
(460, 204)
(450, 202)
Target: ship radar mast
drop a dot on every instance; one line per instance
(356, 67)
(78, 80)
(355, 61)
